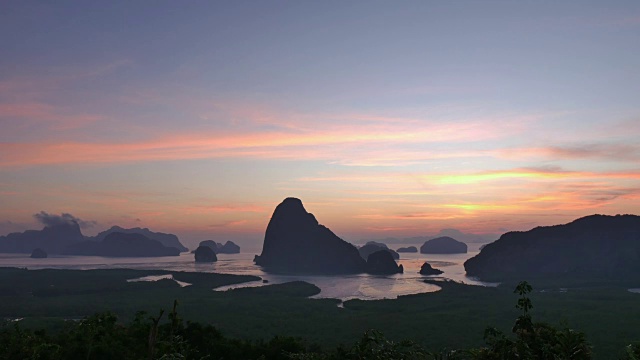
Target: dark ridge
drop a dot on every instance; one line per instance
(592, 246)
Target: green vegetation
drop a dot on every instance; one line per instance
(422, 324)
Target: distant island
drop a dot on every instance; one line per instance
(205, 254)
(227, 248)
(381, 262)
(61, 235)
(443, 245)
(410, 249)
(372, 246)
(467, 238)
(295, 242)
(52, 239)
(427, 269)
(168, 240)
(596, 246)
(118, 244)
(39, 254)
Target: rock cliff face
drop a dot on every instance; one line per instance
(168, 240)
(371, 247)
(51, 239)
(204, 254)
(295, 243)
(122, 245)
(381, 263)
(593, 246)
(426, 269)
(443, 245)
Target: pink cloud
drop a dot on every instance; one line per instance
(332, 144)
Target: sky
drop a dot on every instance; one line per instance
(385, 118)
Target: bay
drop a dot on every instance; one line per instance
(343, 287)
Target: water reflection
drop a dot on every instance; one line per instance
(159, 277)
(360, 286)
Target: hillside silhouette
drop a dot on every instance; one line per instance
(593, 246)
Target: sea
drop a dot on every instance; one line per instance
(342, 287)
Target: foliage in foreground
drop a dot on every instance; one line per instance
(101, 336)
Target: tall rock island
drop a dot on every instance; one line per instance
(205, 254)
(381, 263)
(296, 243)
(371, 247)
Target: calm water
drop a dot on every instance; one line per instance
(344, 287)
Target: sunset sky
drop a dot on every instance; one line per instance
(386, 118)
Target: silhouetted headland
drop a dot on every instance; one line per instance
(593, 246)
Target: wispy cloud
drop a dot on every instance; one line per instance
(43, 116)
(620, 152)
(31, 103)
(410, 216)
(334, 144)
